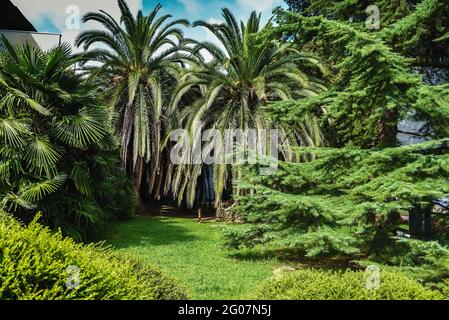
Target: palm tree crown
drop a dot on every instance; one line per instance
(247, 71)
(140, 64)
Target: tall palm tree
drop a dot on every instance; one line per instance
(55, 144)
(246, 73)
(138, 67)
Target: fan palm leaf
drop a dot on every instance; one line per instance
(52, 130)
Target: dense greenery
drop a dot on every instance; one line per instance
(34, 262)
(355, 197)
(362, 110)
(321, 285)
(391, 11)
(155, 85)
(338, 91)
(425, 261)
(58, 152)
(345, 201)
(409, 26)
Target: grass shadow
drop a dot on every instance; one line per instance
(292, 256)
(255, 254)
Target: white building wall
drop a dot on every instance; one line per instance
(45, 41)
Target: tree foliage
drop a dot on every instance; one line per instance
(345, 201)
(423, 34)
(353, 10)
(57, 150)
(138, 68)
(414, 28)
(354, 198)
(247, 71)
(371, 88)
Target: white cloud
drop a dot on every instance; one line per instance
(56, 9)
(215, 21)
(210, 37)
(55, 12)
(191, 6)
(259, 5)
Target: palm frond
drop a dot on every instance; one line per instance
(37, 191)
(42, 156)
(81, 130)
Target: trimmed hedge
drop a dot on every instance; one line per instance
(312, 284)
(34, 261)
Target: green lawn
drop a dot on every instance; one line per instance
(190, 252)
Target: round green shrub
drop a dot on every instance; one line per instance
(310, 284)
(34, 262)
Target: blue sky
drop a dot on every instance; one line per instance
(51, 16)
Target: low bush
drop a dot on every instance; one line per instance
(34, 262)
(350, 285)
(424, 261)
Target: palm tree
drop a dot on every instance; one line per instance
(139, 66)
(55, 143)
(246, 73)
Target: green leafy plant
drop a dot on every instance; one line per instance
(345, 201)
(34, 262)
(350, 285)
(57, 151)
(424, 261)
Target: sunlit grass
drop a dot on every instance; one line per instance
(191, 252)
